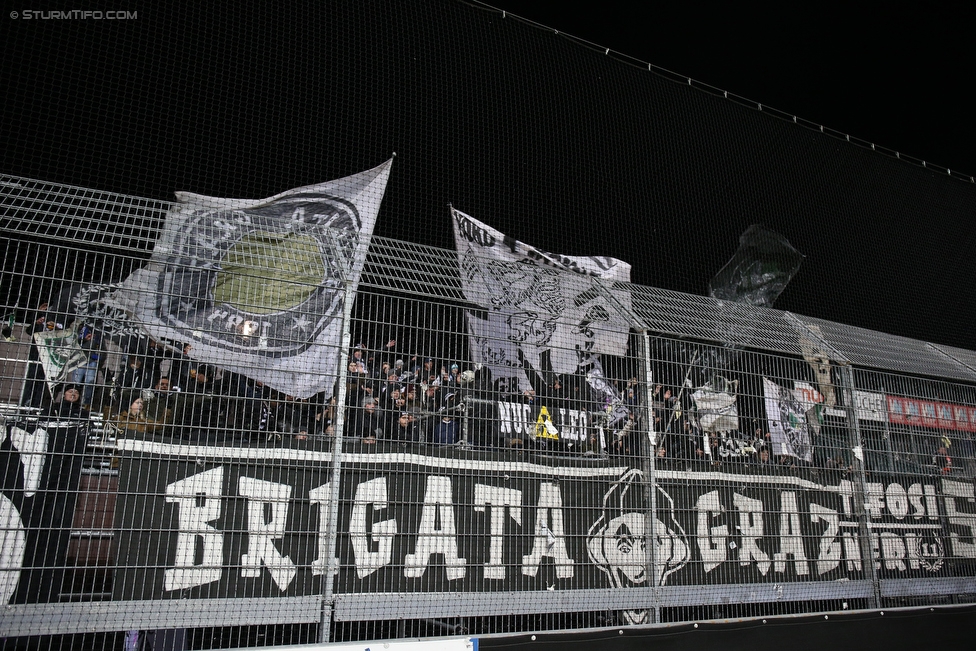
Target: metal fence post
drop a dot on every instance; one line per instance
(650, 480)
(332, 569)
(859, 488)
(887, 434)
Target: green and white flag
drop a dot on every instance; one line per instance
(257, 286)
(60, 354)
(789, 430)
(8, 327)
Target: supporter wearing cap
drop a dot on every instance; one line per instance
(358, 361)
(69, 406)
(405, 429)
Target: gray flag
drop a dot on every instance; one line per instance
(537, 303)
(257, 286)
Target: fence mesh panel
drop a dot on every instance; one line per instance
(717, 461)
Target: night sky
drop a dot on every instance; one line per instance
(897, 74)
(547, 139)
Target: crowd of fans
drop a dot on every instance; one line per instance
(406, 398)
(158, 390)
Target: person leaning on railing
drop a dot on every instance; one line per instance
(367, 423)
(404, 429)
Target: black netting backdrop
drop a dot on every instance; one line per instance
(547, 139)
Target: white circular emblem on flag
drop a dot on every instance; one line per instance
(265, 280)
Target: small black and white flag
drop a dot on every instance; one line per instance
(716, 405)
(538, 304)
(40, 470)
(257, 286)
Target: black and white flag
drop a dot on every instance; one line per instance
(789, 431)
(543, 311)
(257, 286)
(716, 404)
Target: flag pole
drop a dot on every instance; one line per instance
(681, 392)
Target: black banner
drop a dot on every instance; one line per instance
(40, 467)
(762, 528)
(238, 522)
(197, 522)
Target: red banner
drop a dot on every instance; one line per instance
(929, 413)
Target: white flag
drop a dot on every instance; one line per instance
(256, 286)
(717, 411)
(788, 428)
(538, 304)
(31, 447)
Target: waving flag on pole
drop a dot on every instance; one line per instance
(257, 286)
(542, 311)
